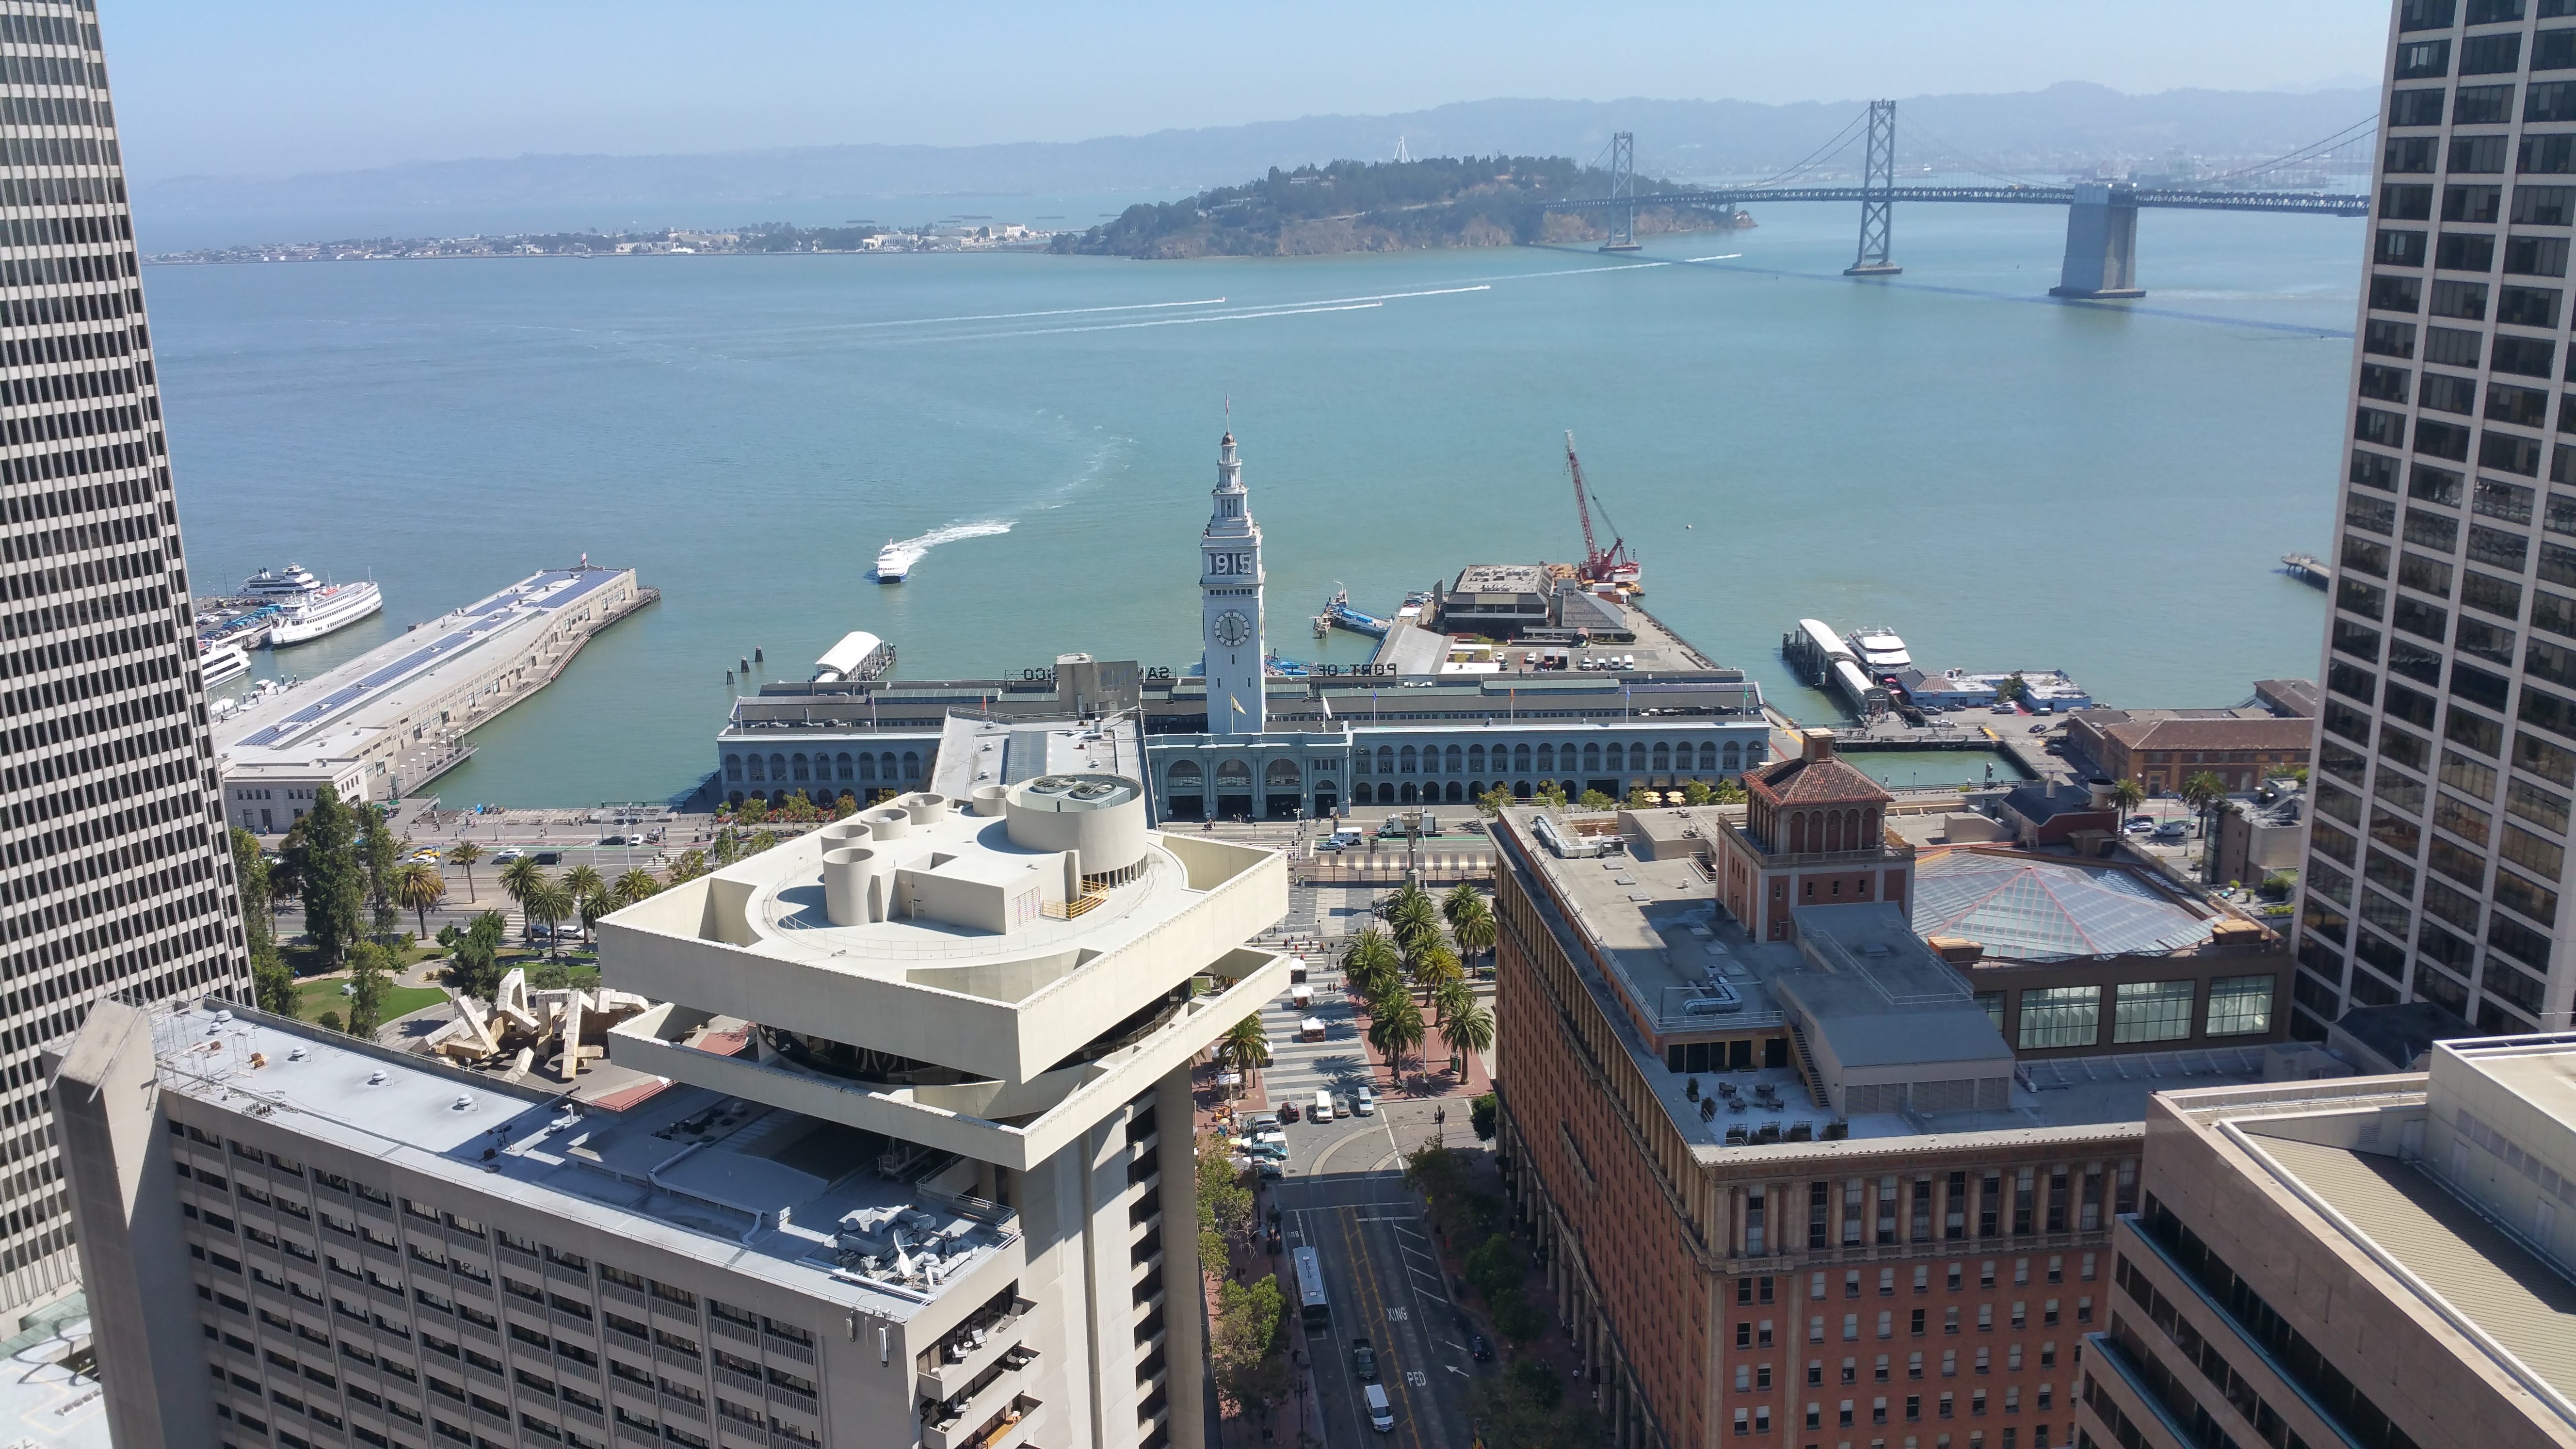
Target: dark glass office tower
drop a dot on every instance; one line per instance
(115, 879)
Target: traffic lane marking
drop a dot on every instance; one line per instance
(1372, 1304)
(1405, 1325)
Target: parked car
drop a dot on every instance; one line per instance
(2139, 822)
(1364, 1102)
(1268, 1168)
(1381, 1413)
(1364, 1360)
(1288, 1111)
(635, 840)
(1323, 1107)
(1342, 1107)
(1274, 1151)
(2039, 729)
(2173, 830)
(1330, 844)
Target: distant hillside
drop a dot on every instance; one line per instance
(1352, 206)
(2063, 127)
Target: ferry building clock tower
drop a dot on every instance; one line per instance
(1230, 605)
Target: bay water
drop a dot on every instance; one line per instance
(2007, 481)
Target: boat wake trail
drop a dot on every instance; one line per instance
(912, 549)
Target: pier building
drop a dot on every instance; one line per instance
(395, 717)
(115, 873)
(2446, 744)
(909, 1163)
(1415, 726)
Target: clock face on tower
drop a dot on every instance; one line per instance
(1232, 629)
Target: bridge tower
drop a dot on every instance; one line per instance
(1877, 195)
(2101, 243)
(1623, 185)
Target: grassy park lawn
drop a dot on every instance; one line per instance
(312, 998)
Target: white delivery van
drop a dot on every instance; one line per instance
(1381, 1413)
(1323, 1107)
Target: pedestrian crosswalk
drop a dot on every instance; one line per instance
(1299, 1068)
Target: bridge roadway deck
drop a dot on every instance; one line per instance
(2312, 202)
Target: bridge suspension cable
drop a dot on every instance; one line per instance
(1840, 142)
(2348, 135)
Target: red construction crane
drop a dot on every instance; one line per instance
(1600, 566)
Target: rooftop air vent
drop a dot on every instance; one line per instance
(1050, 784)
(376, 1078)
(463, 1103)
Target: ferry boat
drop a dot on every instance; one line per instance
(308, 608)
(222, 663)
(1879, 651)
(892, 563)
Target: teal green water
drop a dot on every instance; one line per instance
(2009, 483)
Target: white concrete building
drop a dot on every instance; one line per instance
(927, 1119)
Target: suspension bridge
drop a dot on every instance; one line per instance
(2102, 216)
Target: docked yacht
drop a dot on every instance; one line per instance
(1879, 651)
(222, 663)
(308, 608)
(893, 562)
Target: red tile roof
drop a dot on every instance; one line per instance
(1828, 781)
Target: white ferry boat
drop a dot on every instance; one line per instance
(892, 563)
(307, 608)
(1879, 651)
(222, 663)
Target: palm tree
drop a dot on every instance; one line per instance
(1396, 1031)
(2204, 792)
(463, 854)
(635, 885)
(593, 905)
(2128, 795)
(1432, 967)
(583, 880)
(1469, 1030)
(1462, 901)
(1476, 932)
(1413, 919)
(1449, 998)
(419, 887)
(549, 904)
(1245, 1046)
(520, 877)
(1370, 957)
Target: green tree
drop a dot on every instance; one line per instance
(419, 887)
(547, 904)
(690, 865)
(1246, 1343)
(1484, 1113)
(760, 840)
(1412, 918)
(462, 855)
(1550, 794)
(1494, 1267)
(368, 966)
(323, 855)
(474, 957)
(635, 885)
(2127, 795)
(1476, 931)
(583, 881)
(1595, 800)
(1368, 959)
(1726, 792)
(1396, 1031)
(727, 847)
(1433, 967)
(1226, 1210)
(1491, 803)
(272, 984)
(1463, 900)
(520, 877)
(1471, 1030)
(328, 1021)
(1695, 792)
(2204, 792)
(381, 857)
(1517, 1319)
(1641, 798)
(2013, 689)
(1245, 1047)
(1450, 998)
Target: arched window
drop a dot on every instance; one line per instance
(1456, 758)
(1707, 756)
(1618, 758)
(800, 765)
(755, 769)
(1476, 759)
(1233, 775)
(1734, 757)
(1521, 790)
(867, 767)
(733, 768)
(1521, 764)
(1386, 759)
(1282, 775)
(735, 799)
(1457, 793)
(1663, 758)
(1405, 760)
(885, 766)
(1407, 797)
(844, 762)
(1798, 833)
(1546, 758)
(912, 764)
(1361, 760)
(1184, 777)
(1591, 759)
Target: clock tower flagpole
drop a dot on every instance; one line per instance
(1231, 627)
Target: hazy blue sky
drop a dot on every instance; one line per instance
(246, 87)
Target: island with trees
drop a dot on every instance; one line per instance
(1384, 206)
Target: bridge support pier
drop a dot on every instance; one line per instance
(2101, 243)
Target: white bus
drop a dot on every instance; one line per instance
(1317, 1313)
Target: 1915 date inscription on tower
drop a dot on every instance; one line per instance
(1230, 605)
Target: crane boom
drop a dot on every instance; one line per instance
(1574, 465)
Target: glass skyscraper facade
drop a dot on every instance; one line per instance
(115, 878)
(2446, 747)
